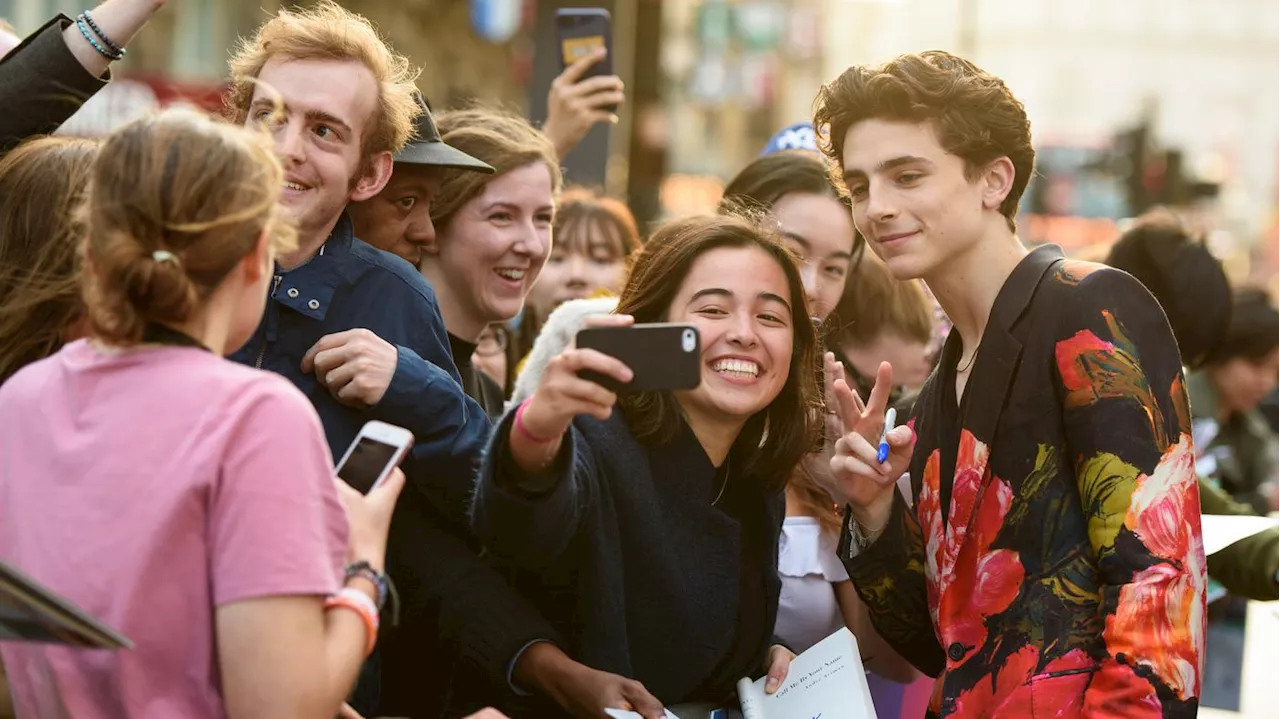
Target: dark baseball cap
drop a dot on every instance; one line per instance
(427, 148)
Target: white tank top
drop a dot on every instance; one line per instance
(807, 565)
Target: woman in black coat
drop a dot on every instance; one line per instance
(651, 520)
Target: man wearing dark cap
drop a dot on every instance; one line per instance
(398, 219)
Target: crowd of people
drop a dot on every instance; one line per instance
(199, 314)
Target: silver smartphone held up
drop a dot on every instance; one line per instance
(375, 452)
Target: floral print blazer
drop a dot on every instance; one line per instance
(1057, 570)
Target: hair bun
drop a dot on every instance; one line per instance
(159, 289)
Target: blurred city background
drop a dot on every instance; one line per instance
(1132, 102)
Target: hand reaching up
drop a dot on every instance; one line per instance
(574, 106)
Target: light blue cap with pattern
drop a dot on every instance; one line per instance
(799, 136)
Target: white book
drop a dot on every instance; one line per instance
(826, 682)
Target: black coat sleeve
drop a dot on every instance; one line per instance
(454, 599)
(42, 85)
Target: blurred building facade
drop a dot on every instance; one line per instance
(709, 81)
(735, 72)
(186, 46)
(1204, 76)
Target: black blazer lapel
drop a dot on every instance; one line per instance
(987, 393)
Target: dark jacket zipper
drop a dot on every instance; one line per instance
(262, 352)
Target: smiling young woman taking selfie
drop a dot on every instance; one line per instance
(664, 508)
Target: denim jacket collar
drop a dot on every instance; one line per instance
(309, 288)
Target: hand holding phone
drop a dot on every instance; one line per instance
(563, 394)
(369, 486)
(586, 92)
(373, 455)
(574, 107)
(661, 356)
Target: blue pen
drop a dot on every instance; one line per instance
(882, 453)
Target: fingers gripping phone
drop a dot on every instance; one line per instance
(373, 455)
(582, 31)
(661, 355)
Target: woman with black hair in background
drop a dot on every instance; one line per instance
(791, 190)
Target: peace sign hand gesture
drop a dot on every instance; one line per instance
(862, 481)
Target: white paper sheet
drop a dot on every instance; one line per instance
(1223, 530)
(624, 714)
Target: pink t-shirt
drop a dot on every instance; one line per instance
(150, 487)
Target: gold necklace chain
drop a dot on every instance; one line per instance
(972, 358)
(724, 483)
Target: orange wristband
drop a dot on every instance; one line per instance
(360, 603)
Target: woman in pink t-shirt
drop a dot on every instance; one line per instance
(186, 501)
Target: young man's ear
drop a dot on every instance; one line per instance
(997, 182)
(377, 175)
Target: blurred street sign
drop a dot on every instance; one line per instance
(804, 32)
(760, 25)
(711, 80)
(496, 20)
(715, 25)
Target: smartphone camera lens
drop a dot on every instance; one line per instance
(689, 341)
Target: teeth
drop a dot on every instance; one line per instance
(514, 275)
(736, 366)
(294, 186)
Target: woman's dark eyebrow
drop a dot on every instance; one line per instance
(770, 297)
(717, 291)
(838, 255)
(721, 292)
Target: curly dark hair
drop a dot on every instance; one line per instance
(973, 112)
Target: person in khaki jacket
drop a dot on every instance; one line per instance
(1160, 253)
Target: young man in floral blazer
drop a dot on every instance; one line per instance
(1051, 562)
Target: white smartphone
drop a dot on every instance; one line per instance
(376, 451)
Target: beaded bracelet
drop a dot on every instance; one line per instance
(388, 598)
(373, 576)
(109, 43)
(360, 603)
(84, 30)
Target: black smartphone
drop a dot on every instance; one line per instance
(661, 355)
(582, 31)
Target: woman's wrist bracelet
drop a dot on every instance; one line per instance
(84, 30)
(360, 603)
(365, 571)
(524, 432)
(119, 51)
